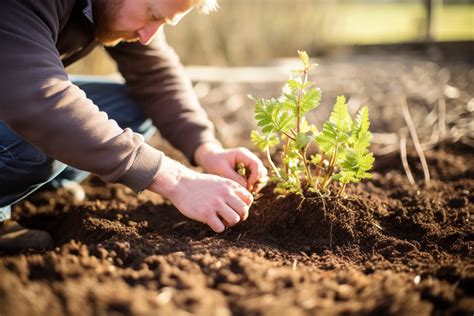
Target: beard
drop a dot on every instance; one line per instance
(105, 14)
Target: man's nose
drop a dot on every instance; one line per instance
(147, 33)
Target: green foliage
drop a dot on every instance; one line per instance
(360, 128)
(336, 130)
(358, 159)
(304, 58)
(264, 142)
(273, 116)
(343, 142)
(310, 100)
(355, 166)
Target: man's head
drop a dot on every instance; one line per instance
(140, 20)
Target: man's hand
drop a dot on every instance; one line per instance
(209, 199)
(223, 162)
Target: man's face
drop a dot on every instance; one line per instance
(136, 20)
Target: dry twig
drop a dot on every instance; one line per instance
(442, 117)
(414, 136)
(403, 156)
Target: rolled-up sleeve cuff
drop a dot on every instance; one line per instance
(144, 168)
(194, 142)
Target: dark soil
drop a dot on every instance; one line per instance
(389, 248)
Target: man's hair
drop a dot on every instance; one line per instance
(206, 6)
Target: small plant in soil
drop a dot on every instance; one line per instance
(343, 155)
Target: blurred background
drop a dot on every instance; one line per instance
(373, 52)
(253, 32)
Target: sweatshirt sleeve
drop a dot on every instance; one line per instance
(41, 105)
(157, 80)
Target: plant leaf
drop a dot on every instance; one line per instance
(310, 100)
(360, 128)
(304, 58)
(302, 140)
(273, 116)
(264, 142)
(340, 115)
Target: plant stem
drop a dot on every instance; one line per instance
(330, 167)
(289, 136)
(319, 167)
(299, 185)
(326, 180)
(307, 168)
(309, 178)
(285, 150)
(275, 169)
(298, 115)
(298, 120)
(342, 190)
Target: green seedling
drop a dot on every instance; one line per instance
(343, 142)
(242, 170)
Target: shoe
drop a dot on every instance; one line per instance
(68, 181)
(14, 238)
(5, 213)
(74, 189)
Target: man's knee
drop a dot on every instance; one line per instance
(23, 166)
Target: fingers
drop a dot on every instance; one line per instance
(257, 169)
(245, 196)
(230, 216)
(227, 212)
(258, 175)
(216, 224)
(230, 213)
(261, 183)
(240, 205)
(231, 174)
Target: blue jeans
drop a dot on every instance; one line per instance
(24, 168)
